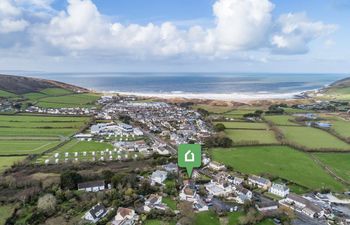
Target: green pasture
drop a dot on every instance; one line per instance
(7, 161)
(26, 147)
(69, 101)
(244, 125)
(213, 109)
(281, 161)
(56, 91)
(282, 120)
(313, 138)
(245, 136)
(339, 163)
(5, 94)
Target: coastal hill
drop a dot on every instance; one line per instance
(21, 85)
(344, 83)
(339, 90)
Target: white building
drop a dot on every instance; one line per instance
(188, 193)
(92, 186)
(95, 213)
(125, 216)
(279, 189)
(158, 177)
(216, 166)
(217, 189)
(154, 202)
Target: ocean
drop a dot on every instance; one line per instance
(199, 85)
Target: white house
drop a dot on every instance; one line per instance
(243, 193)
(279, 189)
(188, 193)
(125, 216)
(216, 166)
(158, 177)
(154, 202)
(217, 189)
(92, 186)
(95, 213)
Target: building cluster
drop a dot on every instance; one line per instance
(6, 106)
(174, 123)
(62, 111)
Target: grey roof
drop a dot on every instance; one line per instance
(280, 187)
(98, 211)
(91, 184)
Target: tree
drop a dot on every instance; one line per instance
(203, 112)
(70, 180)
(218, 141)
(47, 204)
(219, 127)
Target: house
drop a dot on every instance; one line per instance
(259, 182)
(95, 213)
(243, 194)
(323, 125)
(217, 189)
(301, 205)
(216, 166)
(200, 205)
(92, 186)
(171, 167)
(280, 190)
(154, 202)
(188, 193)
(125, 216)
(158, 177)
(266, 206)
(235, 180)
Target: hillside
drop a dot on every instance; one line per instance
(339, 90)
(344, 83)
(22, 85)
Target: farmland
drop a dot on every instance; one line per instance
(313, 138)
(68, 101)
(281, 120)
(280, 161)
(5, 94)
(6, 162)
(244, 125)
(25, 147)
(256, 136)
(213, 109)
(339, 163)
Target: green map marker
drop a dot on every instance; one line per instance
(189, 157)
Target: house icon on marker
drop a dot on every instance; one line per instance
(189, 156)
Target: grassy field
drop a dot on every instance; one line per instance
(36, 132)
(6, 94)
(342, 127)
(260, 136)
(6, 162)
(213, 109)
(339, 94)
(281, 120)
(41, 118)
(244, 125)
(158, 222)
(338, 163)
(69, 101)
(34, 96)
(280, 161)
(9, 147)
(56, 91)
(5, 212)
(313, 138)
(208, 217)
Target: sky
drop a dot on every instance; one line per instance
(175, 36)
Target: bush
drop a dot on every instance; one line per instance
(47, 204)
(219, 127)
(70, 180)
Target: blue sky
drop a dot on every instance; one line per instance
(175, 36)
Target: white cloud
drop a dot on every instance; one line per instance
(240, 26)
(296, 31)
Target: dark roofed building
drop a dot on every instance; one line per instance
(92, 186)
(95, 213)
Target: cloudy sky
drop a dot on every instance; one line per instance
(175, 35)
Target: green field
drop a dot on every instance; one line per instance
(339, 163)
(339, 94)
(34, 96)
(36, 132)
(5, 212)
(281, 120)
(313, 138)
(208, 217)
(6, 162)
(246, 136)
(213, 109)
(284, 162)
(158, 222)
(342, 127)
(9, 147)
(6, 94)
(56, 91)
(69, 101)
(41, 118)
(244, 125)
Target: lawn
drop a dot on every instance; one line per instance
(5, 212)
(244, 125)
(281, 161)
(337, 162)
(213, 109)
(281, 120)
(208, 217)
(158, 222)
(170, 203)
(233, 218)
(313, 138)
(9, 147)
(6, 162)
(250, 136)
(69, 101)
